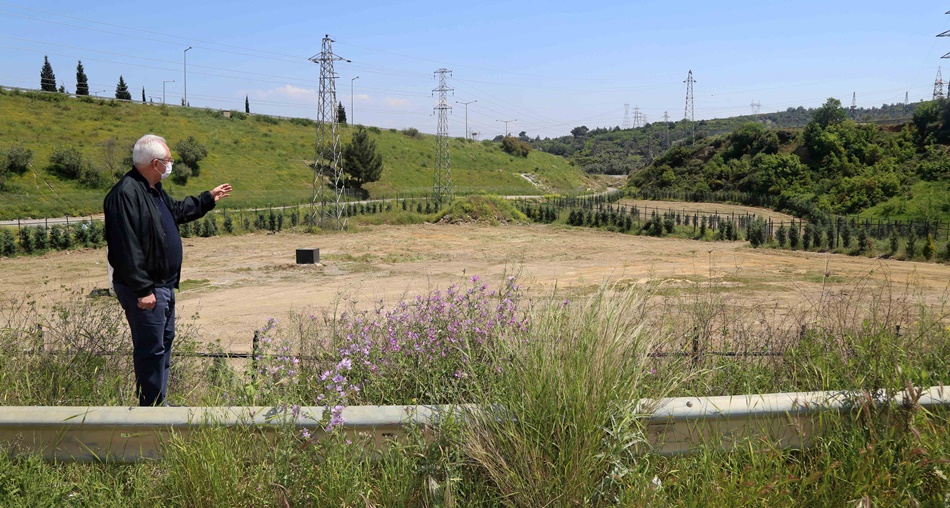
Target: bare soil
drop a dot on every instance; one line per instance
(235, 283)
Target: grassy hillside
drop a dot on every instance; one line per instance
(264, 158)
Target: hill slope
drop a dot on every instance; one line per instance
(266, 159)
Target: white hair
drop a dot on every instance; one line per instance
(148, 148)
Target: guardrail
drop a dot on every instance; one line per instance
(677, 425)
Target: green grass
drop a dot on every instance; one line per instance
(267, 162)
(560, 429)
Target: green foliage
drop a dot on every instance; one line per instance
(18, 159)
(340, 114)
(929, 248)
(82, 82)
(47, 77)
(72, 164)
(412, 132)
(361, 160)
(491, 209)
(191, 153)
(8, 245)
(515, 146)
(757, 234)
(122, 90)
(829, 114)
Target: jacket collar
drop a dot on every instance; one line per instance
(135, 175)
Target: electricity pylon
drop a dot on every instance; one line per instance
(442, 188)
(327, 167)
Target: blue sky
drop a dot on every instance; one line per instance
(545, 67)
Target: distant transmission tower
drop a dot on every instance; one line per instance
(938, 85)
(637, 118)
(854, 104)
(327, 170)
(689, 114)
(666, 121)
(756, 106)
(442, 188)
(626, 116)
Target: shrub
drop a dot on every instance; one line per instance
(40, 239)
(756, 233)
(7, 243)
(180, 174)
(793, 236)
(911, 247)
(929, 248)
(26, 240)
(895, 241)
(412, 132)
(191, 153)
(514, 146)
(71, 163)
(228, 224)
(18, 159)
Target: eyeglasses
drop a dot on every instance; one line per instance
(170, 160)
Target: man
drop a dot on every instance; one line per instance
(145, 252)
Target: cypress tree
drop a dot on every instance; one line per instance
(47, 78)
(341, 114)
(82, 82)
(122, 90)
(143, 94)
(247, 105)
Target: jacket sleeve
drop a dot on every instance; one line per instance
(191, 208)
(123, 219)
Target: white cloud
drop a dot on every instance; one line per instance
(396, 103)
(291, 92)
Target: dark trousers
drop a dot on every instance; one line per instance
(153, 331)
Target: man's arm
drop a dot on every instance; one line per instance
(195, 207)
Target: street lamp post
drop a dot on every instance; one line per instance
(352, 112)
(506, 125)
(163, 88)
(466, 114)
(185, 99)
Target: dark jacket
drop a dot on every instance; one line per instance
(134, 230)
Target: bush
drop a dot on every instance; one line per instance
(71, 163)
(793, 236)
(911, 247)
(412, 132)
(514, 146)
(18, 159)
(40, 239)
(929, 248)
(180, 174)
(756, 233)
(7, 243)
(191, 153)
(781, 234)
(26, 240)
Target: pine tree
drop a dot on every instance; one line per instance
(122, 90)
(82, 82)
(341, 114)
(361, 160)
(247, 106)
(47, 78)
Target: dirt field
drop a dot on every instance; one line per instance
(235, 283)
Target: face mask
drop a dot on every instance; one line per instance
(168, 170)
